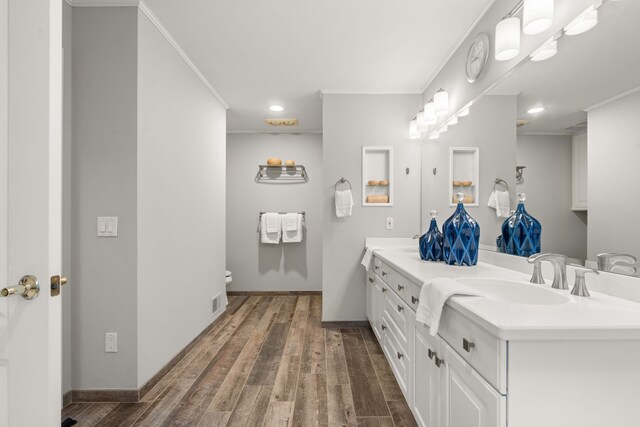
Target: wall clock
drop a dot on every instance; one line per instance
(477, 57)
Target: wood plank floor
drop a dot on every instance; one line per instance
(268, 362)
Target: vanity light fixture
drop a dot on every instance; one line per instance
(443, 129)
(546, 51)
(430, 117)
(583, 22)
(453, 121)
(422, 125)
(434, 135)
(414, 133)
(441, 101)
(276, 108)
(535, 110)
(464, 112)
(537, 16)
(507, 38)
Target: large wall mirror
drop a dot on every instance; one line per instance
(574, 131)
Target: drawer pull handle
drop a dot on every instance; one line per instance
(400, 355)
(384, 327)
(400, 287)
(384, 289)
(439, 362)
(370, 279)
(400, 308)
(467, 345)
(384, 273)
(377, 267)
(414, 300)
(430, 354)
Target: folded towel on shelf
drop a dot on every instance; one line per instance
(368, 254)
(292, 236)
(266, 236)
(344, 203)
(272, 221)
(434, 295)
(290, 222)
(501, 202)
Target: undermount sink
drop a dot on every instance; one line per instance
(515, 292)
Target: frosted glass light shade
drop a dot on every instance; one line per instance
(453, 121)
(583, 23)
(430, 116)
(546, 51)
(537, 16)
(508, 39)
(441, 102)
(414, 133)
(464, 112)
(443, 129)
(422, 126)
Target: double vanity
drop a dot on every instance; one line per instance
(520, 355)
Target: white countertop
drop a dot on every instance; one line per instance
(599, 317)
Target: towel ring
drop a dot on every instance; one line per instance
(342, 181)
(498, 181)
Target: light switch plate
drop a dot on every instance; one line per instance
(389, 223)
(107, 226)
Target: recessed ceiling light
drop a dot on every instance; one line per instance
(535, 110)
(276, 108)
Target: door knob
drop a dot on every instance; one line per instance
(28, 287)
(56, 284)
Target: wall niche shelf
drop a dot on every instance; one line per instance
(377, 165)
(464, 166)
(281, 174)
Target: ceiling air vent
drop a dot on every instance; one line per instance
(521, 122)
(282, 122)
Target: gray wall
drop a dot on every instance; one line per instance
(104, 177)
(284, 267)
(490, 126)
(350, 122)
(613, 153)
(66, 197)
(548, 188)
(181, 194)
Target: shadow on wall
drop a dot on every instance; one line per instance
(292, 257)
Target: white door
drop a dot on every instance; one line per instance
(30, 209)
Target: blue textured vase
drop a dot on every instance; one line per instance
(500, 244)
(521, 233)
(431, 241)
(461, 237)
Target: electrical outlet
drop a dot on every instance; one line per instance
(111, 342)
(389, 223)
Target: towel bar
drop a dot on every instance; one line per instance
(303, 213)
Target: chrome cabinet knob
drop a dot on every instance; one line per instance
(439, 362)
(384, 289)
(400, 308)
(414, 300)
(430, 354)
(370, 279)
(384, 273)
(400, 287)
(400, 355)
(383, 327)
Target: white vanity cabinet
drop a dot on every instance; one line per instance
(375, 301)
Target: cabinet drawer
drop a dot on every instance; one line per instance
(398, 357)
(484, 352)
(398, 312)
(406, 289)
(377, 265)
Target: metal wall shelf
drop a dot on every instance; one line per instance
(279, 174)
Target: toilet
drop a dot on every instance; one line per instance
(229, 279)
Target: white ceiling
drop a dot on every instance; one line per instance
(588, 69)
(256, 53)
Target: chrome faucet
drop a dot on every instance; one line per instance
(608, 262)
(559, 263)
(580, 287)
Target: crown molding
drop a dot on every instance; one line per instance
(142, 6)
(324, 92)
(615, 98)
(103, 3)
(167, 35)
(463, 37)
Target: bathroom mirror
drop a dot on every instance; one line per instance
(575, 142)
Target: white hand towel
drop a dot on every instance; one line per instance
(368, 254)
(344, 203)
(294, 236)
(273, 221)
(433, 297)
(290, 222)
(267, 237)
(501, 202)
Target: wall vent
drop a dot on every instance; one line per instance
(215, 303)
(282, 122)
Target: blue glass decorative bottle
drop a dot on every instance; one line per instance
(521, 233)
(461, 237)
(431, 241)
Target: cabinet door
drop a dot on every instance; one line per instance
(370, 287)
(469, 401)
(426, 381)
(377, 301)
(579, 172)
